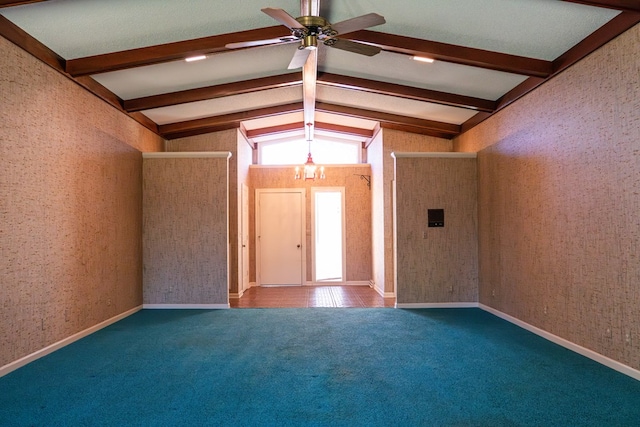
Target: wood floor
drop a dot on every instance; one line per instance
(311, 296)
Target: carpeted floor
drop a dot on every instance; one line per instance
(435, 367)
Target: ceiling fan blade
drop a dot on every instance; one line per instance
(283, 17)
(355, 47)
(358, 23)
(255, 43)
(299, 58)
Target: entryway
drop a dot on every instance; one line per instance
(312, 296)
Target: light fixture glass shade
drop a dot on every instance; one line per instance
(310, 170)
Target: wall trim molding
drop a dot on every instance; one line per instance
(438, 154)
(186, 154)
(10, 367)
(235, 295)
(185, 306)
(604, 360)
(411, 305)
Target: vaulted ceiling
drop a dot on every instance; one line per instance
(487, 53)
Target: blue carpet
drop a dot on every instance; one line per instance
(316, 367)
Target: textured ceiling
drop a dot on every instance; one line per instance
(497, 47)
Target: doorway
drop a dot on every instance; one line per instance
(328, 234)
(280, 248)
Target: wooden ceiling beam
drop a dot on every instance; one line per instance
(223, 122)
(9, 3)
(20, 38)
(168, 52)
(407, 92)
(623, 5)
(453, 53)
(233, 120)
(212, 92)
(299, 126)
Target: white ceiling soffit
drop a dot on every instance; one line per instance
(225, 105)
(181, 75)
(541, 29)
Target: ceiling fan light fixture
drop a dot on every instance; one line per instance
(195, 58)
(310, 42)
(423, 59)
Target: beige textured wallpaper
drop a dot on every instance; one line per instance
(70, 207)
(185, 229)
(357, 207)
(559, 185)
(436, 264)
(393, 140)
(221, 141)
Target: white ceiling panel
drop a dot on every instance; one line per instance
(441, 76)
(265, 122)
(535, 28)
(181, 75)
(226, 105)
(394, 105)
(541, 29)
(78, 28)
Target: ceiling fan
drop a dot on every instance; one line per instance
(308, 29)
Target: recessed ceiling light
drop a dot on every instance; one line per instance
(422, 59)
(195, 58)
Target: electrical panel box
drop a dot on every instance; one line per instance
(435, 217)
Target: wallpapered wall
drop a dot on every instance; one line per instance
(221, 141)
(70, 207)
(559, 186)
(357, 212)
(436, 264)
(393, 140)
(185, 229)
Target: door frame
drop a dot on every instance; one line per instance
(243, 240)
(342, 192)
(303, 239)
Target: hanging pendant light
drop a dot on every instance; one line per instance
(309, 169)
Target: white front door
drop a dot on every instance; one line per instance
(280, 236)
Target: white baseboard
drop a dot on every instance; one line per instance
(351, 283)
(235, 295)
(437, 305)
(381, 292)
(604, 360)
(185, 306)
(10, 367)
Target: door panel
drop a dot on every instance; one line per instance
(280, 237)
